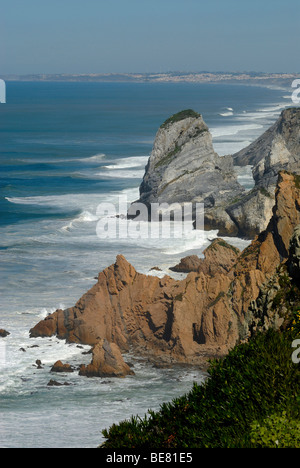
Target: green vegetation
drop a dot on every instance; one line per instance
(287, 300)
(265, 192)
(250, 399)
(276, 431)
(181, 116)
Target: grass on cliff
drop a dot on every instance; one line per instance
(185, 114)
(251, 399)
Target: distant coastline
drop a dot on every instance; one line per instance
(251, 78)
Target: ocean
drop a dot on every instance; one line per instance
(65, 148)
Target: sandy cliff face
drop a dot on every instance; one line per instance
(202, 316)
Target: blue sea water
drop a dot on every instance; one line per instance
(65, 148)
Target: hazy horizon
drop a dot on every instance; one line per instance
(157, 36)
(155, 72)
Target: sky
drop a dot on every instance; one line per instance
(148, 36)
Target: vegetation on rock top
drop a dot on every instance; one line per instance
(185, 114)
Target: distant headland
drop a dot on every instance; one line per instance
(253, 78)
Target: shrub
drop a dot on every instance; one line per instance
(254, 381)
(181, 116)
(276, 431)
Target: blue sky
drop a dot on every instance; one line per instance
(119, 36)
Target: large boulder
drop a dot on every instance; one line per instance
(61, 368)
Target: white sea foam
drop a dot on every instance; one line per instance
(84, 217)
(122, 174)
(125, 168)
(93, 159)
(126, 163)
(234, 130)
(226, 114)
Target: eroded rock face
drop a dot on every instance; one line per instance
(107, 362)
(190, 320)
(276, 150)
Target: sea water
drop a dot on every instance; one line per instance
(65, 148)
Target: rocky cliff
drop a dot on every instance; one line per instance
(199, 317)
(276, 150)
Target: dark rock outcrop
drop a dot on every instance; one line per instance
(4, 333)
(61, 368)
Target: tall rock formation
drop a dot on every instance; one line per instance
(201, 316)
(183, 166)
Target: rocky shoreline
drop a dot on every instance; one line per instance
(222, 299)
(187, 321)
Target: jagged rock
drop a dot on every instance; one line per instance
(201, 316)
(183, 166)
(4, 333)
(252, 213)
(278, 298)
(107, 362)
(276, 150)
(219, 257)
(54, 383)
